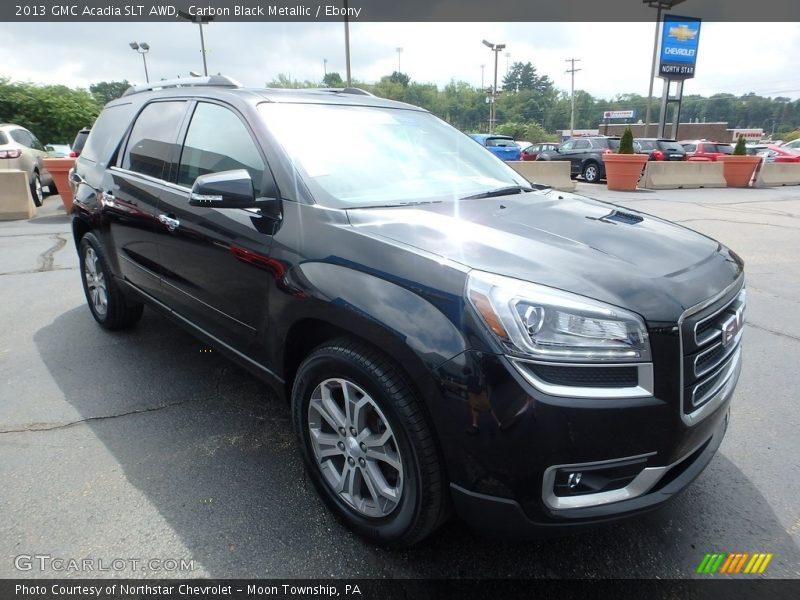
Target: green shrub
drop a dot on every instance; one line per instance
(740, 149)
(626, 142)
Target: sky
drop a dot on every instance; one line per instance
(614, 58)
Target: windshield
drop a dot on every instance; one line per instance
(367, 156)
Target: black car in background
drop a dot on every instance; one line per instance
(445, 336)
(585, 155)
(80, 141)
(661, 149)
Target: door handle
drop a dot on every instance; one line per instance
(172, 224)
(107, 198)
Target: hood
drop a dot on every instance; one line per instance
(607, 252)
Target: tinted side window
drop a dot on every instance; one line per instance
(107, 132)
(21, 137)
(35, 143)
(217, 140)
(689, 147)
(582, 145)
(152, 143)
(568, 145)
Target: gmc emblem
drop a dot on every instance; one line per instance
(731, 326)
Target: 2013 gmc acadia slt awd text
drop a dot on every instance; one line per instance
(447, 334)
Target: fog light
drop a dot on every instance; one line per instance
(593, 479)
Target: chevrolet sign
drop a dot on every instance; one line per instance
(679, 40)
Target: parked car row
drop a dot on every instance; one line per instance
(585, 154)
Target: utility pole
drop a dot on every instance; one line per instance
(572, 71)
(483, 87)
(399, 51)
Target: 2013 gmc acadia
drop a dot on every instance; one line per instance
(448, 335)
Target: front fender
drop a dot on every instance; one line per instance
(428, 323)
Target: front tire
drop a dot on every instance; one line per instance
(367, 445)
(106, 301)
(591, 172)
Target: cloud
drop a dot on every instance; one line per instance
(615, 57)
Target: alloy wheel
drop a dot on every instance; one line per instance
(95, 282)
(355, 448)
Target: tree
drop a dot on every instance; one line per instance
(106, 91)
(54, 113)
(333, 80)
(520, 77)
(398, 77)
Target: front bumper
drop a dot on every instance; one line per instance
(506, 442)
(506, 517)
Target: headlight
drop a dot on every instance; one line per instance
(549, 324)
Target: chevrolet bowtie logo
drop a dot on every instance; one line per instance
(682, 33)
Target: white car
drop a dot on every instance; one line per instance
(19, 149)
(793, 145)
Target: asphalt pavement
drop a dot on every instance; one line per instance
(139, 445)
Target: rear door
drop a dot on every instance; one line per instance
(216, 263)
(132, 188)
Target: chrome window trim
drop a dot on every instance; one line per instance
(644, 389)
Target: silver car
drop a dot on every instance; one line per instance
(19, 149)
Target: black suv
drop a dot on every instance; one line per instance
(446, 335)
(660, 149)
(585, 155)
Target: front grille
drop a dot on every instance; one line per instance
(711, 338)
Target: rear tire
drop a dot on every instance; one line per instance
(367, 444)
(109, 306)
(36, 190)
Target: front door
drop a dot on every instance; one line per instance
(215, 262)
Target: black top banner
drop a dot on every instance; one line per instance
(393, 11)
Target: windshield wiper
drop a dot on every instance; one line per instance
(397, 205)
(503, 191)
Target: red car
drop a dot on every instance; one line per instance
(774, 153)
(705, 150)
(532, 152)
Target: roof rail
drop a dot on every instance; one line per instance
(348, 90)
(215, 80)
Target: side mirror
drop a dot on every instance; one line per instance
(232, 189)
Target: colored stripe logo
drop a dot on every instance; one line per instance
(735, 563)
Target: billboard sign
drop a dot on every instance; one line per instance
(680, 38)
(619, 114)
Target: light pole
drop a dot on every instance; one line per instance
(483, 87)
(508, 57)
(347, 45)
(572, 70)
(659, 5)
(399, 50)
(496, 48)
(200, 20)
(142, 49)
(325, 66)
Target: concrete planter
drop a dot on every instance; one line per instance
(59, 169)
(624, 170)
(738, 170)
